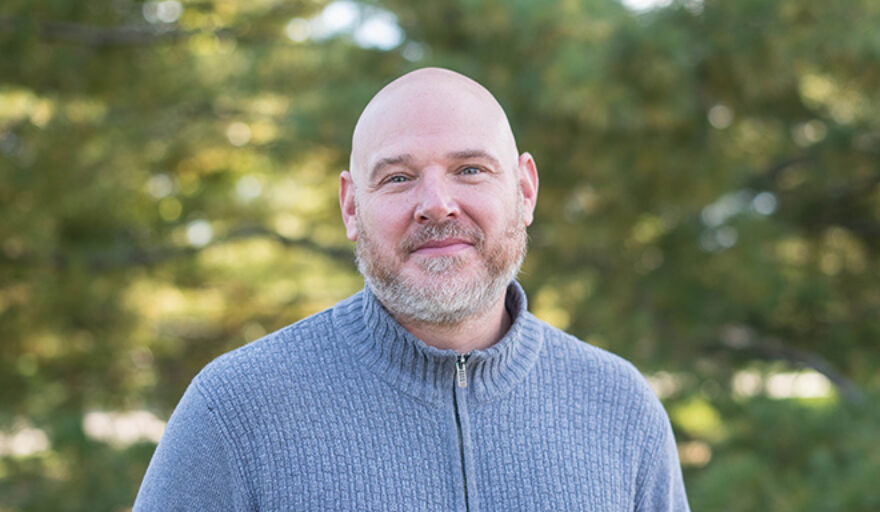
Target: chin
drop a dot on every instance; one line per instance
(442, 265)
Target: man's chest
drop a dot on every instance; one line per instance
(393, 453)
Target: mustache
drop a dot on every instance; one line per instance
(442, 231)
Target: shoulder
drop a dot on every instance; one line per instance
(572, 353)
(272, 361)
(266, 352)
(596, 372)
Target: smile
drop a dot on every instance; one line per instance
(445, 247)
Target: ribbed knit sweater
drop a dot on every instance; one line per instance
(346, 410)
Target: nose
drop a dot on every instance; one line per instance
(436, 203)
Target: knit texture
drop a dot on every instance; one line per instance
(346, 410)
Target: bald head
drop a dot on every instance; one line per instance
(433, 106)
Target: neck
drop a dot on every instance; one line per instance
(476, 332)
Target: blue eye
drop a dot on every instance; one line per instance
(470, 171)
(398, 179)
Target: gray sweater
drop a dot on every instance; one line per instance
(346, 410)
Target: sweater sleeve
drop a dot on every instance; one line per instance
(192, 467)
(661, 486)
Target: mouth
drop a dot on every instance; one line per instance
(443, 247)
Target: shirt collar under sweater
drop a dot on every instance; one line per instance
(384, 347)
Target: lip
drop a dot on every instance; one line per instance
(443, 247)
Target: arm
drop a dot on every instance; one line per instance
(193, 467)
(660, 485)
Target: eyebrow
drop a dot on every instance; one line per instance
(474, 153)
(405, 158)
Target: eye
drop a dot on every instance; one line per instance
(397, 178)
(470, 171)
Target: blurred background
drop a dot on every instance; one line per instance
(709, 209)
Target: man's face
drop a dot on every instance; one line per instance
(438, 203)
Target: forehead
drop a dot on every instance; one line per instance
(430, 137)
(427, 121)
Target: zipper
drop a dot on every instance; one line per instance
(461, 370)
(461, 382)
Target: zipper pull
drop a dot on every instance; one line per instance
(461, 370)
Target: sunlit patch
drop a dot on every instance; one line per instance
(199, 233)
(665, 384)
(644, 5)
(724, 208)
(720, 116)
(369, 27)
(123, 428)
(809, 133)
(167, 11)
(764, 203)
(298, 30)
(379, 30)
(694, 453)
(248, 188)
(160, 185)
(23, 440)
(806, 384)
(781, 385)
(238, 133)
(413, 52)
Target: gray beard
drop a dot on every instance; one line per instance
(444, 300)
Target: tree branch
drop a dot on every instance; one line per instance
(769, 176)
(107, 260)
(96, 36)
(743, 340)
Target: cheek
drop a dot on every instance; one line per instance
(493, 214)
(385, 223)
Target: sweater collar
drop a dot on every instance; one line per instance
(384, 347)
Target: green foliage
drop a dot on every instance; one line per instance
(709, 201)
(790, 456)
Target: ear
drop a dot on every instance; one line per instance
(348, 205)
(528, 184)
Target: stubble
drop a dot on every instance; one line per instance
(448, 294)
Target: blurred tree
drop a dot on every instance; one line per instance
(710, 207)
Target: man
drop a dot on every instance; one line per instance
(433, 388)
